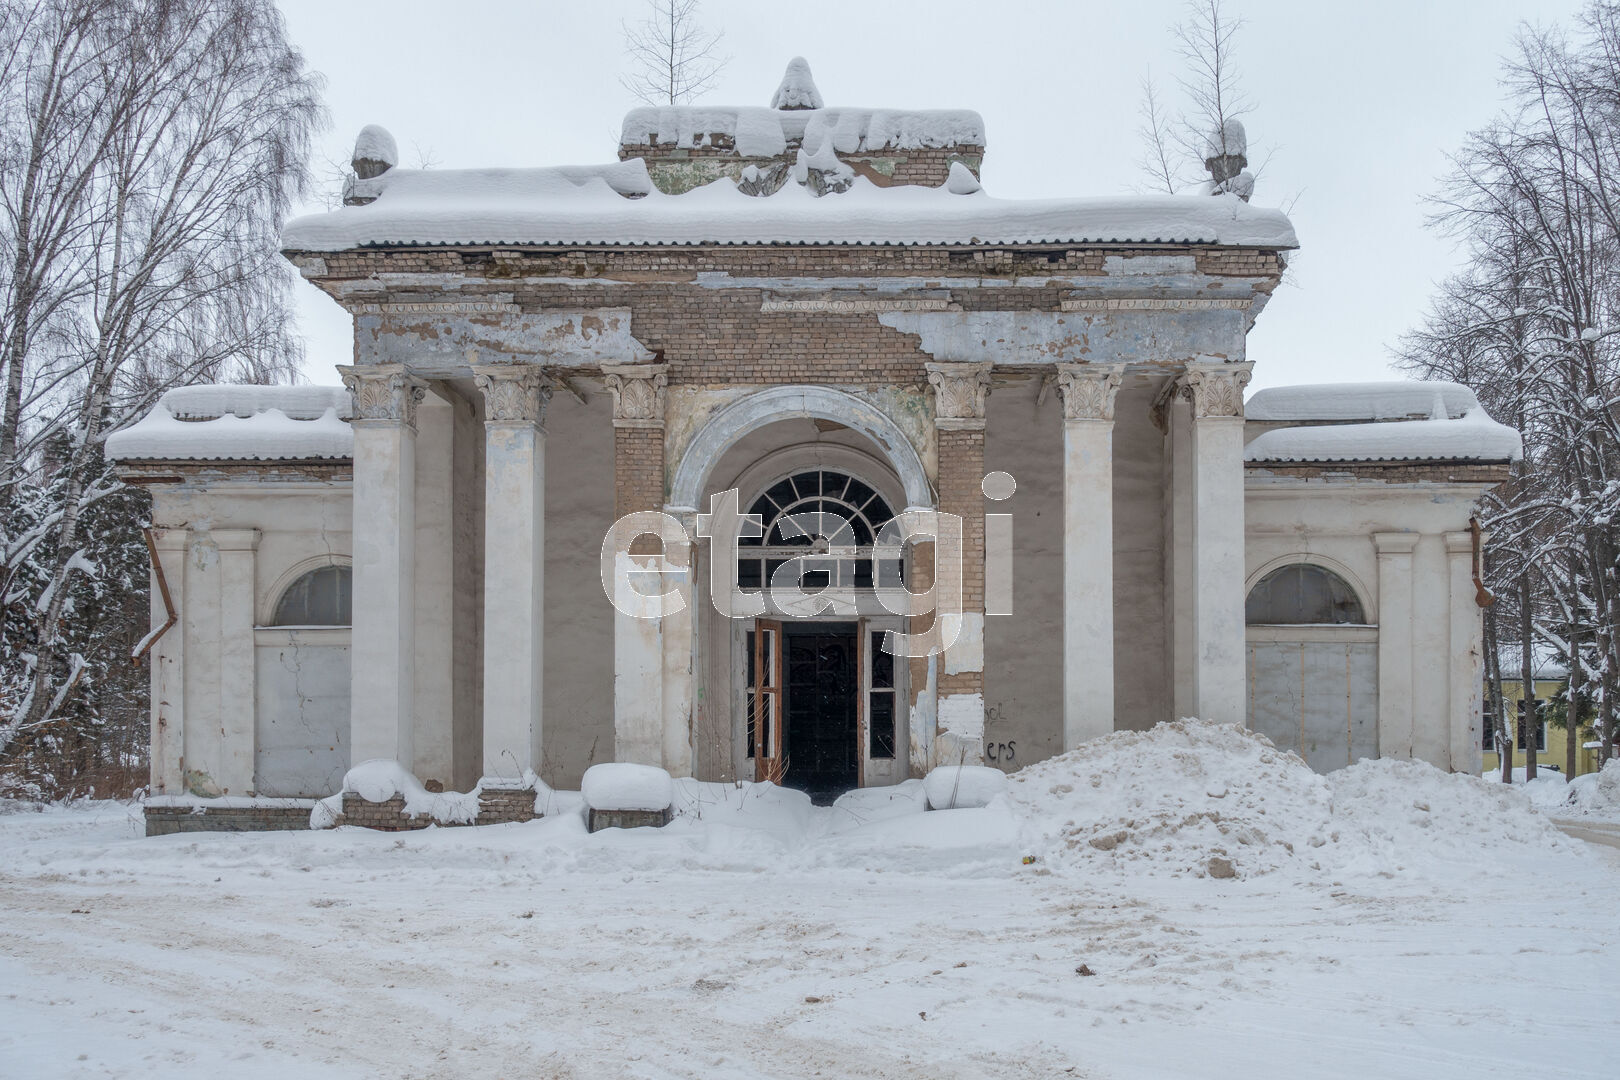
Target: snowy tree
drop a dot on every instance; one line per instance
(1206, 133)
(674, 58)
(1531, 324)
(164, 141)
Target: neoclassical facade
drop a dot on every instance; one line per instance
(768, 338)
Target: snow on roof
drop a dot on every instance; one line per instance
(588, 205)
(757, 131)
(1393, 400)
(240, 423)
(1473, 437)
(374, 143)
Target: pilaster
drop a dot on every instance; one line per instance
(960, 391)
(1467, 669)
(1395, 613)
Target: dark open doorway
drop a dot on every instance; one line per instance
(820, 737)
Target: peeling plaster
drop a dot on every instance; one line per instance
(967, 651)
(438, 344)
(1100, 337)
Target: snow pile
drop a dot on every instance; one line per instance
(952, 787)
(1391, 816)
(1474, 437)
(623, 785)
(1186, 798)
(380, 779)
(617, 204)
(375, 144)
(1596, 794)
(1391, 400)
(226, 422)
(1195, 799)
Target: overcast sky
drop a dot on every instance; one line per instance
(1358, 106)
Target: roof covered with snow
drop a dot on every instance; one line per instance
(617, 204)
(240, 423)
(1391, 400)
(1472, 437)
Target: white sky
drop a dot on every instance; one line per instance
(1359, 105)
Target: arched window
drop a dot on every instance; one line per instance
(798, 513)
(1302, 593)
(321, 597)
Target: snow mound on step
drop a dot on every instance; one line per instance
(1186, 798)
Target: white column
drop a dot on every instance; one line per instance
(515, 397)
(381, 701)
(1395, 643)
(1088, 549)
(1216, 390)
(237, 674)
(1467, 674)
(1180, 601)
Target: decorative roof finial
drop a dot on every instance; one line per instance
(374, 152)
(798, 89)
(1226, 156)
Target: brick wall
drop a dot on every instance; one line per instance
(927, 166)
(961, 474)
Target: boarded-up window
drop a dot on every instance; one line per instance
(1302, 593)
(320, 598)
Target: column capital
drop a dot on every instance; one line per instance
(959, 393)
(1462, 543)
(515, 395)
(1215, 388)
(383, 394)
(638, 393)
(1088, 390)
(1395, 543)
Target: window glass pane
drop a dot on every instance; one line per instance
(319, 598)
(749, 650)
(880, 707)
(748, 574)
(1303, 594)
(882, 663)
(753, 704)
(782, 494)
(857, 493)
(863, 573)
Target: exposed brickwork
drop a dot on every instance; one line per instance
(638, 477)
(961, 474)
(502, 805)
(268, 472)
(167, 820)
(928, 166)
(1394, 472)
(386, 816)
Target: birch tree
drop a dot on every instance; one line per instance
(200, 115)
(673, 56)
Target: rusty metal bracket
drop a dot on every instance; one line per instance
(168, 601)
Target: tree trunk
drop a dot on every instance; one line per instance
(1527, 677)
(1572, 703)
(1493, 678)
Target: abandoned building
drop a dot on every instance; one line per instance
(819, 310)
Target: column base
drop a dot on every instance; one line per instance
(628, 819)
(498, 805)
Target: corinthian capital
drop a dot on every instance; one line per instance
(1088, 390)
(514, 394)
(638, 393)
(1215, 388)
(383, 393)
(959, 393)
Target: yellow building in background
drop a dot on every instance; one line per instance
(1551, 742)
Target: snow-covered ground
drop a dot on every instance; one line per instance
(1385, 921)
